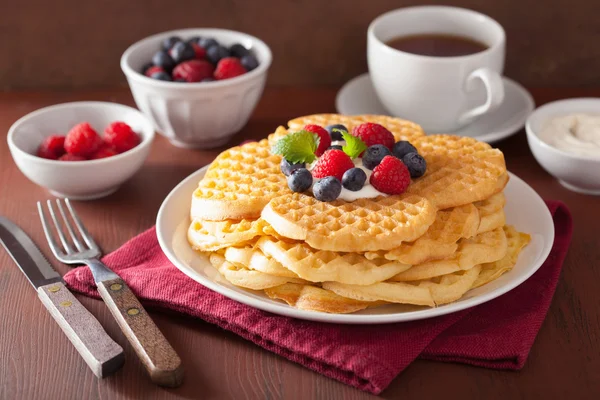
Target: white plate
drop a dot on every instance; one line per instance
(524, 209)
(357, 96)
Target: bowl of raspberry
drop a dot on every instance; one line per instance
(82, 150)
(197, 86)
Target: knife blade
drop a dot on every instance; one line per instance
(102, 354)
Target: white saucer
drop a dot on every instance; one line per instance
(524, 209)
(357, 96)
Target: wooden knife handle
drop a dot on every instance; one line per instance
(102, 354)
(160, 359)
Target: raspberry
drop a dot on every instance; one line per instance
(200, 51)
(104, 152)
(153, 70)
(325, 139)
(193, 70)
(82, 140)
(121, 137)
(71, 157)
(52, 147)
(332, 163)
(372, 133)
(229, 67)
(391, 176)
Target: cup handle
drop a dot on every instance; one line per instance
(493, 87)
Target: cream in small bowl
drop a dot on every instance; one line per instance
(79, 180)
(564, 137)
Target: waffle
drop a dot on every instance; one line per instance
(215, 235)
(246, 278)
(491, 213)
(442, 290)
(516, 242)
(253, 258)
(239, 183)
(440, 239)
(313, 298)
(322, 265)
(483, 248)
(363, 225)
(460, 170)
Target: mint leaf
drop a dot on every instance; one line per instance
(297, 147)
(354, 145)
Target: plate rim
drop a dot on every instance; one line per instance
(492, 137)
(355, 319)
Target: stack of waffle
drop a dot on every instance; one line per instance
(444, 236)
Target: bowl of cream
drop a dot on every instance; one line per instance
(564, 137)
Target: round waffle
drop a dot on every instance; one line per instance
(314, 298)
(358, 226)
(322, 265)
(239, 183)
(214, 235)
(460, 170)
(516, 241)
(483, 248)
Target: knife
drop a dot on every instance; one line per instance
(102, 354)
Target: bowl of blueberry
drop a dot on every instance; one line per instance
(198, 86)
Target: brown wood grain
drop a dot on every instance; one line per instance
(161, 361)
(102, 354)
(71, 43)
(564, 362)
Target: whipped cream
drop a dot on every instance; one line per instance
(366, 192)
(575, 133)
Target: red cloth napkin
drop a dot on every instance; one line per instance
(496, 334)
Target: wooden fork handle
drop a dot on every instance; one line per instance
(102, 354)
(159, 358)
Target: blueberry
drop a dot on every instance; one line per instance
(287, 167)
(354, 179)
(180, 80)
(181, 52)
(207, 42)
(146, 67)
(170, 42)
(161, 76)
(374, 154)
(193, 39)
(249, 62)
(164, 60)
(300, 180)
(415, 163)
(215, 53)
(402, 148)
(335, 135)
(238, 50)
(209, 79)
(335, 147)
(327, 189)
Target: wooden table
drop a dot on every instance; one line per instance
(38, 362)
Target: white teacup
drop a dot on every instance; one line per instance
(442, 94)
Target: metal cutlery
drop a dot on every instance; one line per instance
(158, 357)
(102, 354)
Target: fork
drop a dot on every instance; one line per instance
(159, 358)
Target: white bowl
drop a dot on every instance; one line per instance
(197, 115)
(578, 173)
(78, 180)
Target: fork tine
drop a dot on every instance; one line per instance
(84, 233)
(49, 237)
(58, 226)
(68, 225)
